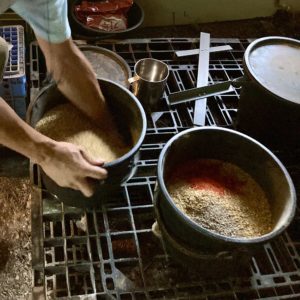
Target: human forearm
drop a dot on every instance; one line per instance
(65, 163)
(19, 136)
(74, 76)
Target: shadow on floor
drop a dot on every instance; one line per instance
(13, 164)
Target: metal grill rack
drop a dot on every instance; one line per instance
(111, 253)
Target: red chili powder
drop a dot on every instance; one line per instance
(207, 175)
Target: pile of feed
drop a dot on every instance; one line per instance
(221, 197)
(15, 238)
(66, 123)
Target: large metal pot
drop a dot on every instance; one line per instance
(240, 150)
(269, 106)
(131, 121)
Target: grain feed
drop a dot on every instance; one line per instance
(221, 197)
(66, 123)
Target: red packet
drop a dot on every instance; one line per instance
(110, 15)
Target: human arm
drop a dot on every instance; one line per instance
(65, 163)
(75, 77)
(65, 62)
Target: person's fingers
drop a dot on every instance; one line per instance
(91, 160)
(86, 187)
(93, 168)
(96, 172)
(72, 186)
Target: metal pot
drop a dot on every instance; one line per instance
(269, 106)
(132, 125)
(240, 150)
(225, 263)
(135, 18)
(107, 64)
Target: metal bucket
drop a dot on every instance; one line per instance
(225, 263)
(236, 148)
(131, 121)
(149, 80)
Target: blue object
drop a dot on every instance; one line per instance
(13, 85)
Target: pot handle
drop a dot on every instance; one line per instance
(134, 165)
(134, 78)
(205, 91)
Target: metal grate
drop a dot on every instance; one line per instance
(111, 253)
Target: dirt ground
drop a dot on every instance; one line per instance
(15, 239)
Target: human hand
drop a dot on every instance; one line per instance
(69, 166)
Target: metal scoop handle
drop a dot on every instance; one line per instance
(204, 92)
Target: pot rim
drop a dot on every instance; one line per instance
(142, 133)
(155, 60)
(247, 65)
(198, 227)
(114, 55)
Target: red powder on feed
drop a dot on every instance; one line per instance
(208, 175)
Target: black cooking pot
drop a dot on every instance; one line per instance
(131, 121)
(135, 18)
(225, 263)
(236, 148)
(269, 106)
